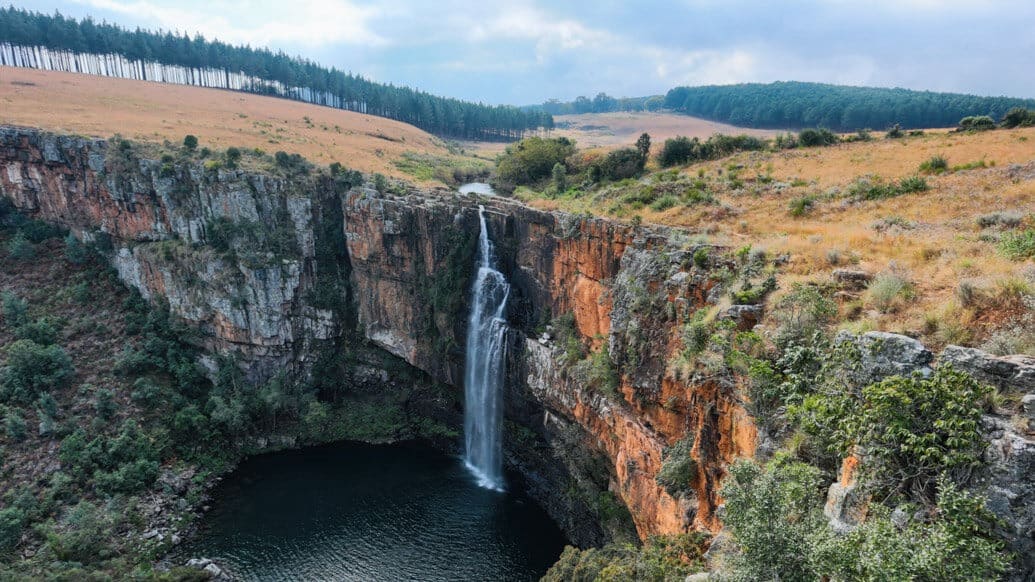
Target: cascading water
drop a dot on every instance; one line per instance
(483, 372)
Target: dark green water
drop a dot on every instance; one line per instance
(351, 511)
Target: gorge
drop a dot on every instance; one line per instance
(581, 323)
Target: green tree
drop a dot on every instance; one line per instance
(32, 369)
(190, 142)
(560, 178)
(643, 145)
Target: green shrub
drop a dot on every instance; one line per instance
(20, 249)
(895, 132)
(888, 289)
(32, 369)
(701, 258)
(817, 137)
(531, 160)
(15, 309)
(12, 520)
(977, 123)
(678, 469)
(14, 425)
(190, 143)
(37, 231)
(772, 514)
(84, 536)
(956, 545)
(801, 206)
(661, 559)
(664, 203)
(934, 165)
(1018, 245)
(40, 331)
(802, 313)
(233, 157)
(912, 184)
(75, 251)
(1018, 117)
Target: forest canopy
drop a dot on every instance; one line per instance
(438, 115)
(795, 105)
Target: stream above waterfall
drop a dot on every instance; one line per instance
(352, 511)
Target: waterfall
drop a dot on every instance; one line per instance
(484, 367)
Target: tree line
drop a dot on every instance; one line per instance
(439, 115)
(796, 105)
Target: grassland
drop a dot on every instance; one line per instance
(153, 112)
(937, 253)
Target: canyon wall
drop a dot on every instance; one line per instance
(237, 254)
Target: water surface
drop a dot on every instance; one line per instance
(477, 188)
(352, 511)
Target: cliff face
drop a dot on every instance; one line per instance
(256, 262)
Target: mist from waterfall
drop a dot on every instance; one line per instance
(484, 367)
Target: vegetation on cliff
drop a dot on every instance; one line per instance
(113, 429)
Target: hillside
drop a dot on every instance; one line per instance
(940, 244)
(53, 42)
(152, 112)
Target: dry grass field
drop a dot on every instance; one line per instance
(619, 129)
(152, 112)
(959, 287)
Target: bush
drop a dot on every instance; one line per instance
(678, 469)
(817, 137)
(888, 289)
(40, 331)
(622, 163)
(75, 251)
(20, 249)
(32, 369)
(190, 143)
(84, 537)
(532, 160)
(977, 123)
(802, 313)
(677, 151)
(1018, 245)
(1000, 219)
(661, 559)
(14, 308)
(801, 206)
(912, 184)
(14, 425)
(38, 231)
(12, 520)
(934, 165)
(233, 157)
(1018, 117)
(772, 515)
(895, 132)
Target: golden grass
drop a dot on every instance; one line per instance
(153, 112)
(622, 129)
(940, 247)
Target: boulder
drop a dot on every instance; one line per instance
(883, 355)
(745, 316)
(851, 279)
(1004, 372)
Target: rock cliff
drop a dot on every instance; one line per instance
(238, 254)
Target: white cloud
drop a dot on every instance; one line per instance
(302, 22)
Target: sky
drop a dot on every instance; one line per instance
(526, 51)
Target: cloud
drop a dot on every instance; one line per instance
(298, 22)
